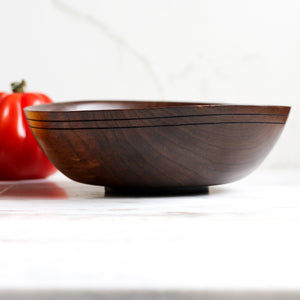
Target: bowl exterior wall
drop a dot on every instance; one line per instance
(159, 156)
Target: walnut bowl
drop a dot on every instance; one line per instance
(155, 146)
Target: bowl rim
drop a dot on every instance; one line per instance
(112, 110)
(177, 104)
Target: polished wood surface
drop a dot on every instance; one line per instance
(155, 144)
(116, 110)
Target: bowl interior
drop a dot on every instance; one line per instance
(112, 105)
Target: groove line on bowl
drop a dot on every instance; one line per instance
(166, 125)
(164, 117)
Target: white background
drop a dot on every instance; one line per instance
(235, 51)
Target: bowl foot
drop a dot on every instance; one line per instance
(156, 191)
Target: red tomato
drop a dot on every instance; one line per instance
(20, 155)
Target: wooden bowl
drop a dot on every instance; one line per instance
(155, 146)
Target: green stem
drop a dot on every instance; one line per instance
(18, 87)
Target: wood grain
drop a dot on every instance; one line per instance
(155, 145)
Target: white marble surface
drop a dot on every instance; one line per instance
(63, 240)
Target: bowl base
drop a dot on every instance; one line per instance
(156, 191)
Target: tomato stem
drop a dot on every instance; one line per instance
(18, 87)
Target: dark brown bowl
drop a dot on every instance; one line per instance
(155, 145)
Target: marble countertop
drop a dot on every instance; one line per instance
(64, 240)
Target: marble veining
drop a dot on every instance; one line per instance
(116, 38)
